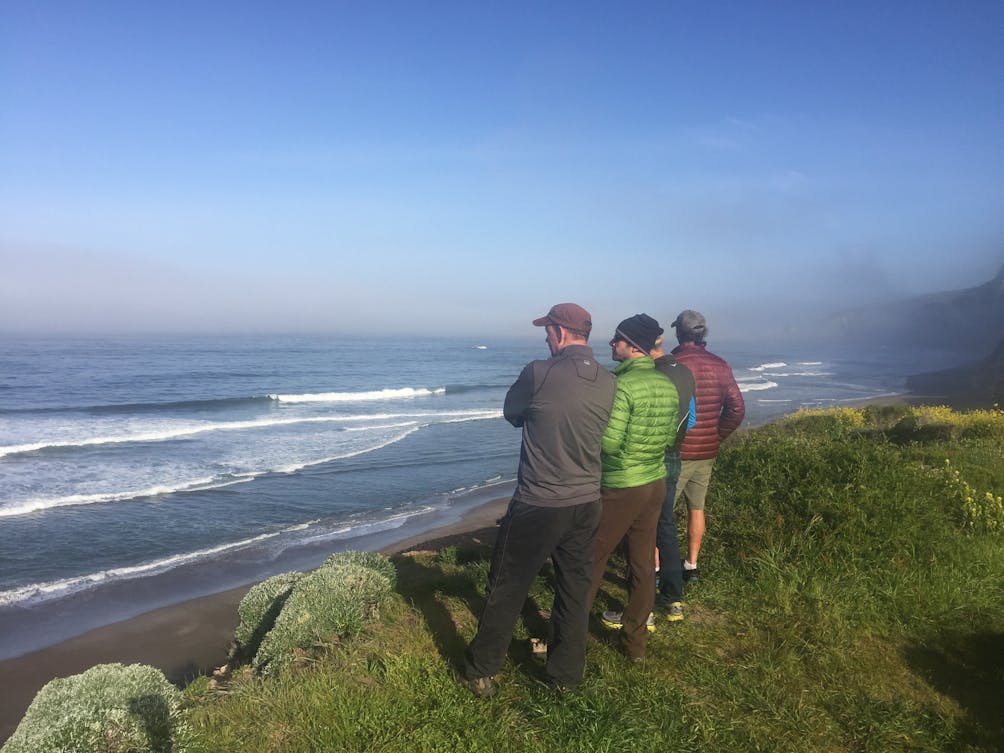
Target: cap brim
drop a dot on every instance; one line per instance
(542, 321)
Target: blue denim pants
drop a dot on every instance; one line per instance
(666, 539)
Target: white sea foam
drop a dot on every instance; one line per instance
(460, 419)
(75, 500)
(361, 529)
(352, 397)
(37, 592)
(798, 373)
(190, 430)
(58, 588)
(756, 386)
(810, 363)
(164, 435)
(766, 366)
(294, 467)
(378, 427)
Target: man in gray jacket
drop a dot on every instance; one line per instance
(562, 405)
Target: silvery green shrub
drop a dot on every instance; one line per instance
(110, 708)
(372, 560)
(332, 602)
(257, 613)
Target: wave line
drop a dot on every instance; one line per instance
(190, 431)
(150, 407)
(79, 500)
(757, 386)
(352, 397)
(56, 588)
(204, 484)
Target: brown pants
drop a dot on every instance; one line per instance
(631, 514)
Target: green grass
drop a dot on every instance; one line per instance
(849, 603)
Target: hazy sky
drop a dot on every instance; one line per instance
(460, 166)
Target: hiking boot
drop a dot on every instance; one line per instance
(674, 612)
(690, 577)
(614, 621)
(482, 687)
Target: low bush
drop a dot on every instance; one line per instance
(371, 560)
(333, 602)
(258, 611)
(110, 708)
(831, 422)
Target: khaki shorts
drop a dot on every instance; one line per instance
(695, 475)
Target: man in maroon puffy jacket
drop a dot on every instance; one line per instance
(720, 410)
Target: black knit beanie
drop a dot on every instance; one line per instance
(640, 330)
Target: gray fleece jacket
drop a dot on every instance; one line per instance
(562, 405)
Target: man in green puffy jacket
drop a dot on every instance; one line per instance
(641, 428)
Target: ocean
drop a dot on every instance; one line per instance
(139, 472)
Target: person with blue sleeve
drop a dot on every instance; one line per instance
(669, 598)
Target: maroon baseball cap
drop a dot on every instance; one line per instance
(568, 315)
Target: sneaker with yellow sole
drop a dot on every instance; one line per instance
(614, 621)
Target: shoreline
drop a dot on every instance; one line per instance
(183, 640)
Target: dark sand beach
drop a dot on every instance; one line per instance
(183, 640)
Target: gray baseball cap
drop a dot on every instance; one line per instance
(690, 322)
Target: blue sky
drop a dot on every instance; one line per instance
(459, 167)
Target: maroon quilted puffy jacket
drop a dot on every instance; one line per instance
(720, 406)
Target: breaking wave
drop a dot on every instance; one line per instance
(756, 386)
(190, 430)
(40, 505)
(352, 397)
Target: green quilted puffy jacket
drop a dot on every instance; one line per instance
(642, 425)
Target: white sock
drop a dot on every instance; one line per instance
(688, 566)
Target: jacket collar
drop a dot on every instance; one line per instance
(576, 350)
(632, 364)
(688, 347)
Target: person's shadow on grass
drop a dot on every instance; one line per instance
(425, 581)
(970, 669)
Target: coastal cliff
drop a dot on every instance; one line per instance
(967, 324)
(969, 321)
(976, 385)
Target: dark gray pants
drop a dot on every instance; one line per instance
(528, 535)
